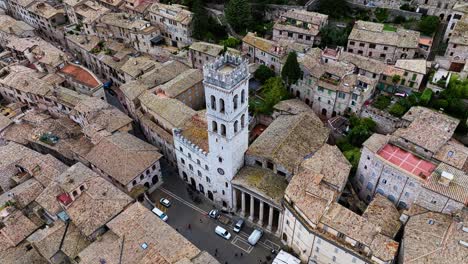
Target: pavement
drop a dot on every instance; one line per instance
(192, 221)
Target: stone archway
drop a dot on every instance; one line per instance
(193, 183)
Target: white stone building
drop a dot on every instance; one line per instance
(375, 41)
(300, 26)
(418, 164)
(127, 162)
(174, 21)
(335, 83)
(457, 49)
(209, 160)
(320, 230)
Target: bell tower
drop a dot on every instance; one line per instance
(226, 92)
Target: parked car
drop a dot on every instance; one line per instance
(214, 214)
(222, 233)
(160, 214)
(238, 226)
(165, 202)
(255, 236)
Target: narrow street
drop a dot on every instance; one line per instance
(184, 212)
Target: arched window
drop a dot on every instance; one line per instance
(215, 127)
(242, 121)
(223, 130)
(236, 125)
(242, 96)
(213, 102)
(234, 101)
(221, 105)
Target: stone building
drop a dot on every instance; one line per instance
(457, 12)
(10, 26)
(174, 21)
(418, 163)
(335, 83)
(86, 13)
(201, 53)
(186, 87)
(137, 32)
(321, 230)
(431, 237)
(442, 9)
(300, 26)
(264, 51)
(82, 80)
(376, 41)
(127, 162)
(457, 49)
(158, 117)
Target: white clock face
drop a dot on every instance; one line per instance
(220, 171)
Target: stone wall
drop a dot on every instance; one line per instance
(392, 12)
(386, 123)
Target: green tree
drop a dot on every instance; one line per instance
(335, 8)
(200, 20)
(332, 36)
(428, 25)
(263, 73)
(395, 80)
(272, 92)
(397, 109)
(238, 14)
(382, 102)
(230, 42)
(291, 71)
(381, 14)
(426, 97)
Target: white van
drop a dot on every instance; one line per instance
(222, 232)
(255, 236)
(160, 214)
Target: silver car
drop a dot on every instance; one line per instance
(238, 226)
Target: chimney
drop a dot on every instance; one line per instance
(445, 178)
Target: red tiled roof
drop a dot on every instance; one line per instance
(64, 199)
(407, 161)
(81, 75)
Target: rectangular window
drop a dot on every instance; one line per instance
(341, 95)
(361, 44)
(351, 43)
(372, 46)
(414, 76)
(320, 89)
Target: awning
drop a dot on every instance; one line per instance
(157, 40)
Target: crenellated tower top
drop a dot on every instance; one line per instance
(226, 71)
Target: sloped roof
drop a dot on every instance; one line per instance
(123, 156)
(289, 139)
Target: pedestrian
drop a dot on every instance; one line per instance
(189, 226)
(201, 221)
(235, 255)
(177, 229)
(242, 254)
(216, 250)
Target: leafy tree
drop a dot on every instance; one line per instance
(440, 104)
(397, 109)
(238, 14)
(382, 102)
(353, 156)
(426, 97)
(332, 36)
(399, 20)
(200, 20)
(272, 92)
(381, 14)
(428, 25)
(291, 71)
(408, 7)
(230, 42)
(395, 80)
(263, 73)
(335, 9)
